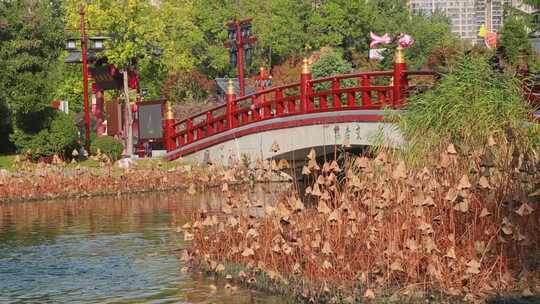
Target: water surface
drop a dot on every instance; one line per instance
(105, 250)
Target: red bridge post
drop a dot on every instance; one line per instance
(305, 87)
(230, 98)
(168, 128)
(400, 79)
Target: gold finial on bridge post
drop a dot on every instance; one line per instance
(305, 67)
(399, 56)
(230, 87)
(169, 114)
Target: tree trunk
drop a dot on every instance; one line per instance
(129, 118)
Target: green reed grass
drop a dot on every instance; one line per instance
(467, 107)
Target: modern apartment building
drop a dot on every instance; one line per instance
(466, 15)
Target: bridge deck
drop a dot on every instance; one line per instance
(324, 118)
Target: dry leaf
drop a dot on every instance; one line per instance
(192, 190)
(484, 183)
(283, 164)
(462, 206)
(323, 208)
(298, 205)
(334, 216)
(188, 236)
(361, 162)
(396, 266)
(411, 244)
(484, 212)
(451, 253)
(535, 193)
(248, 252)
(451, 149)
(326, 265)
(473, 267)
(527, 292)
(524, 209)
(451, 195)
(464, 183)
(316, 190)
(311, 155)
(326, 248)
(275, 147)
(334, 166)
(428, 202)
(220, 268)
(287, 249)
(369, 294)
(400, 171)
(491, 142)
(226, 209)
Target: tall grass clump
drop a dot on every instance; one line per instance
(466, 108)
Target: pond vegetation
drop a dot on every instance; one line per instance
(450, 217)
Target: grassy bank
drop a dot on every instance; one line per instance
(6, 162)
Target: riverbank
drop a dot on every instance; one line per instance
(30, 182)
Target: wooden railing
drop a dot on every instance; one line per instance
(355, 91)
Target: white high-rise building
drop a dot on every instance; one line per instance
(466, 15)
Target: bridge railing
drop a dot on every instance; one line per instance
(355, 91)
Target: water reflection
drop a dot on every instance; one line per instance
(108, 249)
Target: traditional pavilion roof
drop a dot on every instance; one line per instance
(76, 57)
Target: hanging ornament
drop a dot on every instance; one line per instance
(384, 39)
(482, 32)
(491, 40)
(405, 40)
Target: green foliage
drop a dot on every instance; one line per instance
(430, 33)
(108, 145)
(466, 108)
(534, 3)
(330, 63)
(69, 86)
(58, 135)
(191, 33)
(514, 38)
(5, 128)
(6, 162)
(31, 37)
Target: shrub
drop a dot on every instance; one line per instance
(109, 146)
(58, 137)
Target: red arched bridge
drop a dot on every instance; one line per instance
(287, 121)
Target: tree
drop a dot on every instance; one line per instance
(31, 39)
(330, 63)
(514, 39)
(346, 25)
